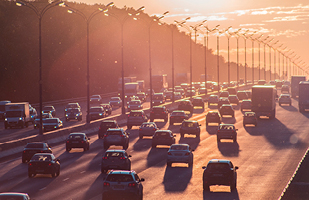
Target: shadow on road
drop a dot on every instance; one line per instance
(177, 178)
(228, 120)
(191, 140)
(212, 130)
(228, 149)
(156, 156)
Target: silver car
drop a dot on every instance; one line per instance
(115, 159)
(285, 99)
(115, 101)
(147, 129)
(50, 124)
(180, 153)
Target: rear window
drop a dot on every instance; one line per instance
(108, 124)
(119, 178)
(189, 124)
(114, 154)
(95, 109)
(34, 145)
(114, 133)
(136, 114)
(177, 113)
(41, 158)
(76, 136)
(227, 127)
(163, 134)
(179, 147)
(218, 167)
(147, 125)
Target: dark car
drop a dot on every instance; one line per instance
(77, 140)
(135, 105)
(74, 113)
(180, 153)
(141, 96)
(115, 159)
(213, 117)
(14, 196)
(71, 105)
(147, 129)
(163, 137)
(224, 94)
(168, 95)
(122, 184)
(37, 120)
(226, 131)
(190, 127)
(96, 112)
(50, 124)
(116, 136)
(232, 90)
(157, 99)
(233, 99)
(246, 105)
(177, 116)
(213, 99)
(96, 99)
(33, 148)
(226, 109)
(44, 163)
(185, 105)
(136, 118)
(198, 102)
(49, 109)
(285, 89)
(115, 101)
(159, 112)
(223, 100)
(242, 95)
(219, 172)
(250, 118)
(285, 99)
(107, 107)
(106, 124)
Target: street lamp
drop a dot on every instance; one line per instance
(40, 14)
(228, 35)
(237, 40)
(88, 19)
(253, 39)
(245, 38)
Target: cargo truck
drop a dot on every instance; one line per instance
(125, 80)
(159, 83)
(17, 115)
(264, 100)
(2, 108)
(295, 85)
(131, 89)
(141, 85)
(303, 97)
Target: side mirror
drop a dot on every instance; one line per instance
(200, 124)
(129, 156)
(89, 138)
(58, 159)
(174, 135)
(236, 129)
(204, 167)
(236, 167)
(142, 179)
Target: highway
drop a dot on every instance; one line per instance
(266, 155)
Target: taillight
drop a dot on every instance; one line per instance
(82, 141)
(49, 164)
(106, 184)
(122, 158)
(152, 112)
(140, 129)
(128, 115)
(30, 163)
(99, 128)
(169, 153)
(24, 151)
(154, 129)
(104, 158)
(187, 154)
(163, 112)
(132, 184)
(68, 141)
(121, 135)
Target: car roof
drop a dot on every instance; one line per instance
(115, 129)
(108, 121)
(44, 154)
(158, 107)
(180, 145)
(197, 98)
(213, 111)
(77, 133)
(121, 172)
(190, 121)
(115, 150)
(163, 131)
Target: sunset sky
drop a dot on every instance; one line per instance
(283, 20)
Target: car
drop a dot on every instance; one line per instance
(115, 101)
(115, 159)
(213, 99)
(168, 95)
(96, 112)
(136, 118)
(198, 102)
(33, 148)
(219, 172)
(157, 99)
(190, 127)
(73, 113)
(285, 99)
(185, 105)
(231, 90)
(95, 99)
(107, 107)
(116, 136)
(37, 120)
(77, 140)
(128, 99)
(141, 96)
(233, 99)
(177, 116)
(71, 105)
(105, 125)
(190, 92)
(213, 117)
(223, 100)
(278, 83)
(250, 118)
(49, 109)
(180, 153)
(135, 105)
(163, 137)
(226, 131)
(177, 96)
(224, 94)
(14, 195)
(246, 104)
(285, 89)
(147, 129)
(44, 163)
(122, 184)
(226, 109)
(181, 91)
(242, 95)
(261, 82)
(159, 112)
(50, 124)
(202, 91)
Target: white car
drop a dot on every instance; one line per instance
(115, 101)
(285, 99)
(180, 153)
(96, 99)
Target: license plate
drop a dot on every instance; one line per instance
(75, 142)
(40, 170)
(218, 175)
(119, 187)
(178, 154)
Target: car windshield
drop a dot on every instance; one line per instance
(95, 109)
(72, 106)
(41, 158)
(114, 99)
(76, 136)
(73, 111)
(179, 147)
(34, 145)
(113, 154)
(49, 108)
(119, 178)
(218, 167)
(189, 124)
(95, 97)
(47, 120)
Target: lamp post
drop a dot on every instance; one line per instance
(245, 38)
(253, 39)
(228, 35)
(40, 14)
(88, 19)
(264, 42)
(275, 71)
(237, 40)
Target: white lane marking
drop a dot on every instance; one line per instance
(82, 172)
(65, 179)
(43, 188)
(201, 120)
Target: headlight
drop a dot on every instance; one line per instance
(160, 101)
(6, 119)
(100, 114)
(66, 115)
(20, 118)
(77, 114)
(55, 126)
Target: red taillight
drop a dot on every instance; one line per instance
(169, 153)
(121, 135)
(30, 163)
(49, 164)
(83, 141)
(140, 129)
(128, 115)
(122, 158)
(24, 151)
(182, 117)
(132, 184)
(152, 112)
(99, 128)
(154, 129)
(162, 112)
(172, 117)
(106, 184)
(187, 154)
(68, 141)
(104, 158)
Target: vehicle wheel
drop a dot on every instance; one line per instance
(129, 127)
(125, 146)
(205, 187)
(140, 136)
(182, 135)
(26, 124)
(198, 135)
(23, 160)
(53, 174)
(6, 127)
(206, 123)
(279, 104)
(235, 139)
(242, 110)
(255, 124)
(30, 175)
(208, 104)
(233, 186)
(141, 196)
(218, 139)
(154, 146)
(58, 172)
(169, 164)
(151, 120)
(233, 115)
(244, 124)
(290, 104)
(88, 148)
(190, 164)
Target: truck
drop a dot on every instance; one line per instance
(141, 84)
(295, 85)
(131, 89)
(182, 78)
(128, 79)
(264, 100)
(17, 115)
(303, 96)
(159, 83)
(2, 108)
